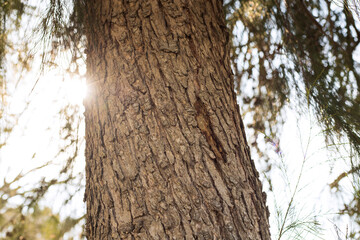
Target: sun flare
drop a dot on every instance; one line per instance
(75, 90)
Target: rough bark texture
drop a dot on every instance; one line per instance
(166, 154)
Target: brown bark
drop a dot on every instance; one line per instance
(166, 154)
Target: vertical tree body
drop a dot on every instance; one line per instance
(166, 154)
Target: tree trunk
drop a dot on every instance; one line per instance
(166, 154)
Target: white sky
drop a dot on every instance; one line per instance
(36, 138)
(303, 143)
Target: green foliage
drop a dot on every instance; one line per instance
(10, 14)
(303, 55)
(62, 31)
(40, 223)
(301, 51)
(28, 220)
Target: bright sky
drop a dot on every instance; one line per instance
(39, 125)
(304, 154)
(36, 138)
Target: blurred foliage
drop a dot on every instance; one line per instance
(23, 211)
(301, 51)
(61, 31)
(27, 220)
(303, 55)
(11, 12)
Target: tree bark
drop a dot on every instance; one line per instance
(166, 153)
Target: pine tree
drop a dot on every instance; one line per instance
(166, 153)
